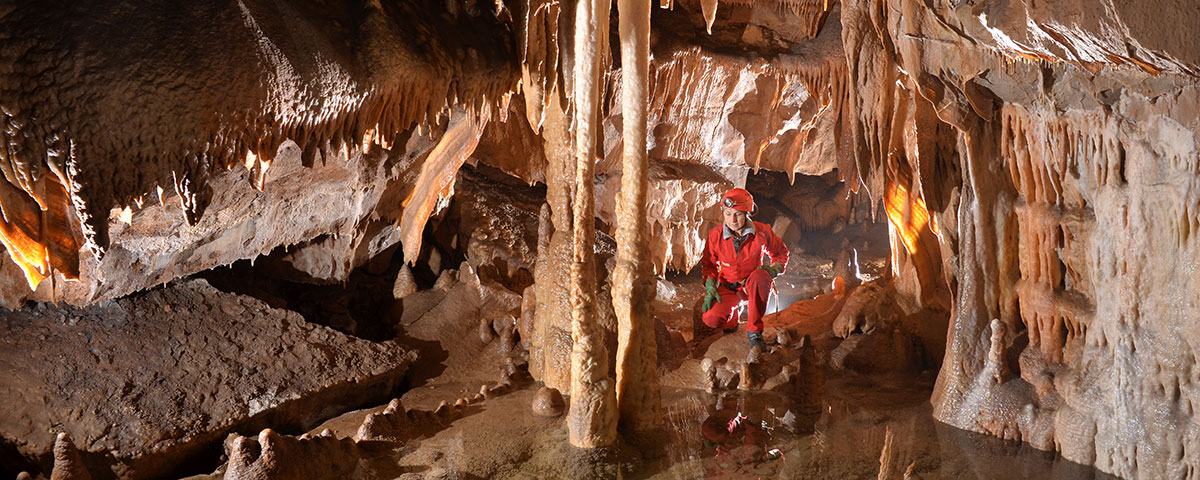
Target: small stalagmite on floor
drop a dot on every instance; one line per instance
(405, 284)
(271, 456)
(392, 424)
(548, 403)
(68, 464)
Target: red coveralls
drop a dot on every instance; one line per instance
(738, 277)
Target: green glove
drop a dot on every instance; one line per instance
(710, 286)
(773, 269)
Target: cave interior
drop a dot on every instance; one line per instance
(446, 239)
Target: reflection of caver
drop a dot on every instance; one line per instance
(733, 270)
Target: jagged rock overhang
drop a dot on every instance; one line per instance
(332, 78)
(107, 108)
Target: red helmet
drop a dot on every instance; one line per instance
(738, 199)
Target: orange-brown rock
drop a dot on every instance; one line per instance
(168, 373)
(68, 465)
(272, 456)
(325, 81)
(813, 316)
(548, 403)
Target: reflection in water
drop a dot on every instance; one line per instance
(862, 429)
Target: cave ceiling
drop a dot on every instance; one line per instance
(109, 109)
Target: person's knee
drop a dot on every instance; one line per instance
(758, 279)
(712, 318)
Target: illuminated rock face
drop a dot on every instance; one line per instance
(301, 87)
(1037, 162)
(103, 115)
(1074, 135)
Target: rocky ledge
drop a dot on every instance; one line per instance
(150, 385)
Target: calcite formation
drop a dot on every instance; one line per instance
(393, 424)
(592, 419)
(637, 387)
(493, 222)
(271, 455)
(547, 403)
(1036, 163)
(326, 78)
(68, 465)
(1061, 210)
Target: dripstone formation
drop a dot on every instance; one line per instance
(1038, 164)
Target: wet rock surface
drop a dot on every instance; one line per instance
(801, 417)
(547, 402)
(148, 386)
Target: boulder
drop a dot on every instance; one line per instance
(153, 382)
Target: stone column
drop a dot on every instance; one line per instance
(633, 290)
(593, 418)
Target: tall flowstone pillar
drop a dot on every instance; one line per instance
(550, 345)
(637, 356)
(593, 418)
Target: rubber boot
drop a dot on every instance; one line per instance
(756, 340)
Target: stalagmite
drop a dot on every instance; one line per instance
(405, 283)
(709, 375)
(593, 415)
(68, 464)
(637, 359)
(995, 361)
(391, 425)
(547, 403)
(550, 342)
(272, 455)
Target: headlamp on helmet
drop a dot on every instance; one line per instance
(738, 199)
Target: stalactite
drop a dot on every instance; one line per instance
(593, 417)
(683, 80)
(437, 177)
(545, 47)
(637, 359)
(1044, 156)
(812, 13)
(710, 13)
(281, 88)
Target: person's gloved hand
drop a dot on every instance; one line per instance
(710, 286)
(773, 269)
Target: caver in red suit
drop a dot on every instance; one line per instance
(733, 270)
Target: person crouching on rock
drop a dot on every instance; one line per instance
(733, 270)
